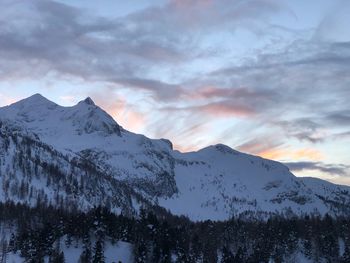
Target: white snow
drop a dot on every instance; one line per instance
(121, 251)
(213, 183)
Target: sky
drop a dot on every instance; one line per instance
(265, 77)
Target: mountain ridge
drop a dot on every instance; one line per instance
(100, 163)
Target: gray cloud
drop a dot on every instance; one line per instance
(222, 108)
(293, 91)
(162, 90)
(204, 16)
(55, 37)
(339, 118)
(333, 169)
(304, 129)
(301, 90)
(334, 24)
(306, 79)
(342, 135)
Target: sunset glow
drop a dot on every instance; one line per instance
(270, 78)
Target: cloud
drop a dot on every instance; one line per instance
(295, 89)
(126, 114)
(222, 109)
(226, 108)
(304, 129)
(54, 38)
(186, 130)
(162, 90)
(339, 118)
(334, 24)
(298, 54)
(221, 102)
(181, 56)
(292, 154)
(68, 99)
(38, 38)
(260, 145)
(342, 135)
(275, 148)
(193, 15)
(6, 100)
(250, 97)
(333, 169)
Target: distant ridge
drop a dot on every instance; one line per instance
(80, 157)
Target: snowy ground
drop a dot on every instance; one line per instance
(121, 251)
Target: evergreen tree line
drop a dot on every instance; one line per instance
(40, 232)
(64, 182)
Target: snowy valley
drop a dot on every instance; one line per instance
(76, 159)
(80, 156)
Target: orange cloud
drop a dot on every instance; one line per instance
(126, 116)
(288, 154)
(132, 120)
(184, 148)
(121, 111)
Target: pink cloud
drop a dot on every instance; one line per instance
(226, 109)
(260, 145)
(123, 112)
(241, 93)
(133, 120)
(6, 100)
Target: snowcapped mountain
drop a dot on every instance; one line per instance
(79, 157)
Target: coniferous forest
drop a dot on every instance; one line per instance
(174, 131)
(36, 233)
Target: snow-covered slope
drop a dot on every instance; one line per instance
(99, 162)
(218, 182)
(119, 252)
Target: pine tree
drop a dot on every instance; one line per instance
(61, 258)
(240, 256)
(57, 257)
(346, 256)
(86, 255)
(3, 251)
(196, 249)
(98, 253)
(140, 251)
(227, 256)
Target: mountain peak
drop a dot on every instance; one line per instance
(88, 101)
(37, 96)
(36, 101)
(113, 168)
(45, 117)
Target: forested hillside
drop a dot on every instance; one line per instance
(44, 233)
